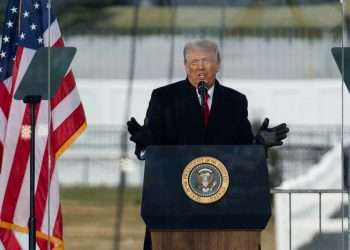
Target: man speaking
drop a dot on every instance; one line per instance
(199, 111)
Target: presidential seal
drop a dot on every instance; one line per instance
(205, 180)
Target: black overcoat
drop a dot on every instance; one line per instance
(174, 117)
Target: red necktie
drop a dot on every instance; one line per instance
(206, 110)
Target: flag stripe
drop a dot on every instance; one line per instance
(41, 191)
(16, 175)
(58, 227)
(9, 239)
(1, 154)
(42, 244)
(67, 132)
(8, 84)
(52, 212)
(5, 98)
(41, 196)
(22, 209)
(22, 204)
(65, 88)
(61, 112)
(3, 121)
(23, 239)
(53, 32)
(59, 43)
(15, 118)
(10, 145)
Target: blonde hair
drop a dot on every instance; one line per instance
(202, 44)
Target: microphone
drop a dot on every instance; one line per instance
(202, 90)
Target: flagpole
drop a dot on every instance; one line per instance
(49, 124)
(19, 17)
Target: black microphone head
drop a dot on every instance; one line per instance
(202, 87)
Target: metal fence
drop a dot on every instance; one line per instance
(323, 241)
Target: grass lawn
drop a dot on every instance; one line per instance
(89, 217)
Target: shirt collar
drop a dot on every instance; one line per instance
(211, 90)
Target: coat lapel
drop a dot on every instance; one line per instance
(190, 114)
(217, 107)
(190, 97)
(191, 107)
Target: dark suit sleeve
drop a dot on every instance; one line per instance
(245, 135)
(153, 121)
(154, 117)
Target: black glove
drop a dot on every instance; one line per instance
(141, 135)
(270, 137)
(133, 126)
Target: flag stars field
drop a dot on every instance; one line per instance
(9, 24)
(26, 14)
(33, 26)
(6, 39)
(13, 10)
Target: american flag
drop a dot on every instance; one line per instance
(29, 25)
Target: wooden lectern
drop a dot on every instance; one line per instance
(178, 221)
(206, 240)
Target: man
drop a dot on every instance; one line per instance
(199, 110)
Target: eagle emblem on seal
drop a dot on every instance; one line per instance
(205, 180)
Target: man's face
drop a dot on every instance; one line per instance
(201, 65)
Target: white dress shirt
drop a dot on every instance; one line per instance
(210, 96)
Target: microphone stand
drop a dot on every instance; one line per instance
(202, 89)
(32, 100)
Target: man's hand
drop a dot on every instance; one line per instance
(141, 135)
(270, 137)
(133, 126)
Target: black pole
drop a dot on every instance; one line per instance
(32, 101)
(32, 230)
(173, 14)
(124, 135)
(222, 34)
